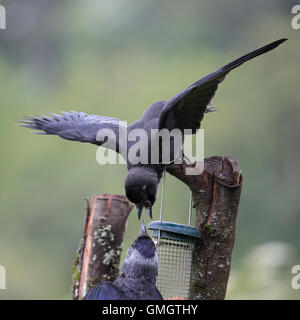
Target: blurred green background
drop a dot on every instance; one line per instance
(116, 58)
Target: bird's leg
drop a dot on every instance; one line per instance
(210, 108)
(185, 157)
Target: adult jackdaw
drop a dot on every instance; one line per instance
(183, 111)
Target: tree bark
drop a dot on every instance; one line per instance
(216, 193)
(98, 256)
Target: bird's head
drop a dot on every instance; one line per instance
(141, 187)
(141, 259)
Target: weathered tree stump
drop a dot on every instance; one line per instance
(98, 255)
(216, 194)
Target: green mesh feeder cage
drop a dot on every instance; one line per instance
(174, 245)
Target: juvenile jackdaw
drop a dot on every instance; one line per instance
(138, 274)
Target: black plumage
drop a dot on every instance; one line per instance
(184, 111)
(137, 280)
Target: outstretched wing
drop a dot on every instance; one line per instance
(76, 126)
(187, 108)
(104, 291)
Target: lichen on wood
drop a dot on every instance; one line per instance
(98, 255)
(216, 194)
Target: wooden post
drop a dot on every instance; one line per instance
(216, 194)
(98, 256)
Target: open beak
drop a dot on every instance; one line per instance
(139, 208)
(143, 230)
(148, 208)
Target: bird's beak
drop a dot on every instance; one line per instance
(149, 211)
(143, 230)
(139, 208)
(148, 208)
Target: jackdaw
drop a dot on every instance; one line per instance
(183, 111)
(138, 274)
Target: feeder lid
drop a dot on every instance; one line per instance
(174, 231)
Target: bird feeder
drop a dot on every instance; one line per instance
(174, 245)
